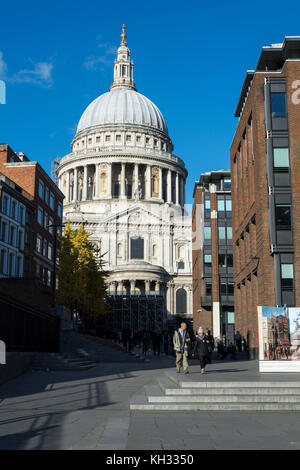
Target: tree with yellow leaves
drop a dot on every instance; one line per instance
(81, 278)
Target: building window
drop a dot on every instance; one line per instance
(21, 214)
(19, 270)
(207, 260)
(222, 233)
(287, 276)
(221, 205)
(50, 227)
(147, 140)
(107, 138)
(59, 210)
(11, 264)
(228, 205)
(118, 138)
(180, 265)
(128, 138)
(283, 216)
(4, 226)
(154, 251)
(181, 301)
(38, 244)
(208, 288)
(50, 251)
(40, 216)
(41, 189)
(21, 240)
(281, 157)
(137, 248)
(13, 212)
(47, 195)
(3, 261)
(138, 138)
(227, 184)
(5, 205)
(98, 138)
(225, 260)
(12, 236)
(207, 233)
(52, 201)
(119, 249)
(46, 220)
(278, 106)
(207, 207)
(48, 278)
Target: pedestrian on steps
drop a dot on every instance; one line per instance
(181, 341)
(201, 348)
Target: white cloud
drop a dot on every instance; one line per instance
(39, 74)
(105, 59)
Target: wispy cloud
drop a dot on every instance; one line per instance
(104, 59)
(39, 73)
(3, 66)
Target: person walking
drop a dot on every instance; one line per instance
(181, 340)
(238, 341)
(211, 345)
(201, 348)
(145, 343)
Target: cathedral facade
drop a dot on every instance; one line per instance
(124, 182)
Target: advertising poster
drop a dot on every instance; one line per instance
(279, 333)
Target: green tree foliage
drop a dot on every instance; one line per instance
(81, 278)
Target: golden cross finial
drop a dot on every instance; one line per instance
(123, 36)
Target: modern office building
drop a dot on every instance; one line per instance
(47, 201)
(265, 170)
(212, 254)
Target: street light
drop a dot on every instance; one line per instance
(54, 260)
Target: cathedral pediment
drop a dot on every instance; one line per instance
(137, 215)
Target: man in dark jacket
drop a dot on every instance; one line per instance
(201, 348)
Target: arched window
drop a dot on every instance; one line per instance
(119, 249)
(181, 250)
(181, 301)
(154, 251)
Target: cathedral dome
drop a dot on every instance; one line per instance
(122, 105)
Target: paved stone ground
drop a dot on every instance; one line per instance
(90, 410)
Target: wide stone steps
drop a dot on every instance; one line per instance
(173, 393)
(55, 361)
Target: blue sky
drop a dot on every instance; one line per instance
(190, 60)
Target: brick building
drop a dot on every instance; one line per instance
(47, 209)
(265, 168)
(212, 254)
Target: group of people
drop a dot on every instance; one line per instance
(203, 346)
(181, 344)
(157, 341)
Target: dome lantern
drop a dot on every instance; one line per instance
(123, 66)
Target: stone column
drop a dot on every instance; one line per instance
(84, 189)
(120, 288)
(160, 182)
(169, 187)
(68, 187)
(122, 193)
(177, 189)
(132, 287)
(109, 176)
(75, 190)
(97, 180)
(136, 179)
(157, 287)
(147, 287)
(181, 191)
(148, 182)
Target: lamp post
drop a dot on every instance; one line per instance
(55, 226)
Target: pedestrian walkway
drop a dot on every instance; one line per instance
(90, 409)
